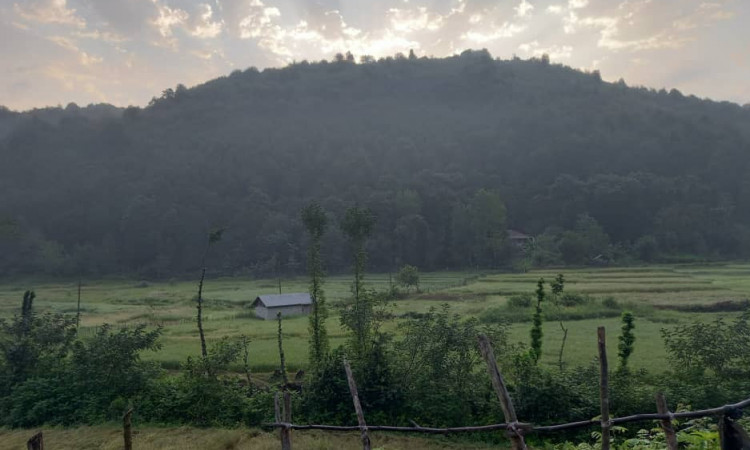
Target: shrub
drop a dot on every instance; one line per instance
(610, 302)
(573, 299)
(519, 301)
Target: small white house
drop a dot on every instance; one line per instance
(267, 306)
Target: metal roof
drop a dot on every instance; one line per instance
(513, 234)
(279, 300)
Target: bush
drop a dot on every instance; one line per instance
(519, 301)
(610, 302)
(573, 299)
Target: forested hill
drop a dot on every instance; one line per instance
(446, 152)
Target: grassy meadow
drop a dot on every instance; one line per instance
(659, 296)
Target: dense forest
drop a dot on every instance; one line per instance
(447, 153)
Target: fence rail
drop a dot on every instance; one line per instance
(516, 430)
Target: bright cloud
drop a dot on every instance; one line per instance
(49, 11)
(524, 8)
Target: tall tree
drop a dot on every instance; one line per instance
(536, 325)
(357, 225)
(315, 221)
(213, 237)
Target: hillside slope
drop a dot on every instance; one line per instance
(442, 150)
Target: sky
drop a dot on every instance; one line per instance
(125, 52)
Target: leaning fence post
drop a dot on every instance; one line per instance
(604, 387)
(485, 348)
(666, 424)
(36, 442)
(357, 406)
(127, 429)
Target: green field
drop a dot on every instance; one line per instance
(654, 293)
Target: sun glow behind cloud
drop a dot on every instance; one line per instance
(125, 51)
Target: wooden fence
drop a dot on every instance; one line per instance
(731, 436)
(516, 430)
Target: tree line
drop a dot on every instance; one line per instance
(448, 154)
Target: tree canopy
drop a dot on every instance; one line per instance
(447, 153)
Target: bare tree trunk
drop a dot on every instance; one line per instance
(284, 378)
(604, 387)
(204, 351)
(127, 429)
(357, 407)
(78, 307)
(562, 346)
(516, 439)
(246, 360)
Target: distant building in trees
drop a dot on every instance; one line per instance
(519, 239)
(267, 306)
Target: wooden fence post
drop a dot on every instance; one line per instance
(127, 429)
(357, 406)
(284, 432)
(485, 348)
(36, 442)
(666, 424)
(604, 387)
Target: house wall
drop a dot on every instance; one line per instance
(286, 311)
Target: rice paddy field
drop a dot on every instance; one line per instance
(660, 296)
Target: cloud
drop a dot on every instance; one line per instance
(49, 11)
(506, 30)
(555, 52)
(524, 8)
(129, 18)
(410, 20)
(169, 18)
(205, 26)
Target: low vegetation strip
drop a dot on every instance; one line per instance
(109, 437)
(722, 306)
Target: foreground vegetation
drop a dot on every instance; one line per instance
(417, 360)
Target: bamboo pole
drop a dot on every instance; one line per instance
(604, 387)
(666, 424)
(127, 429)
(516, 438)
(357, 406)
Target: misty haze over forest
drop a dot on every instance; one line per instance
(443, 150)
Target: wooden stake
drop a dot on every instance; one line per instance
(286, 432)
(666, 424)
(357, 406)
(127, 429)
(276, 408)
(485, 348)
(36, 442)
(604, 387)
